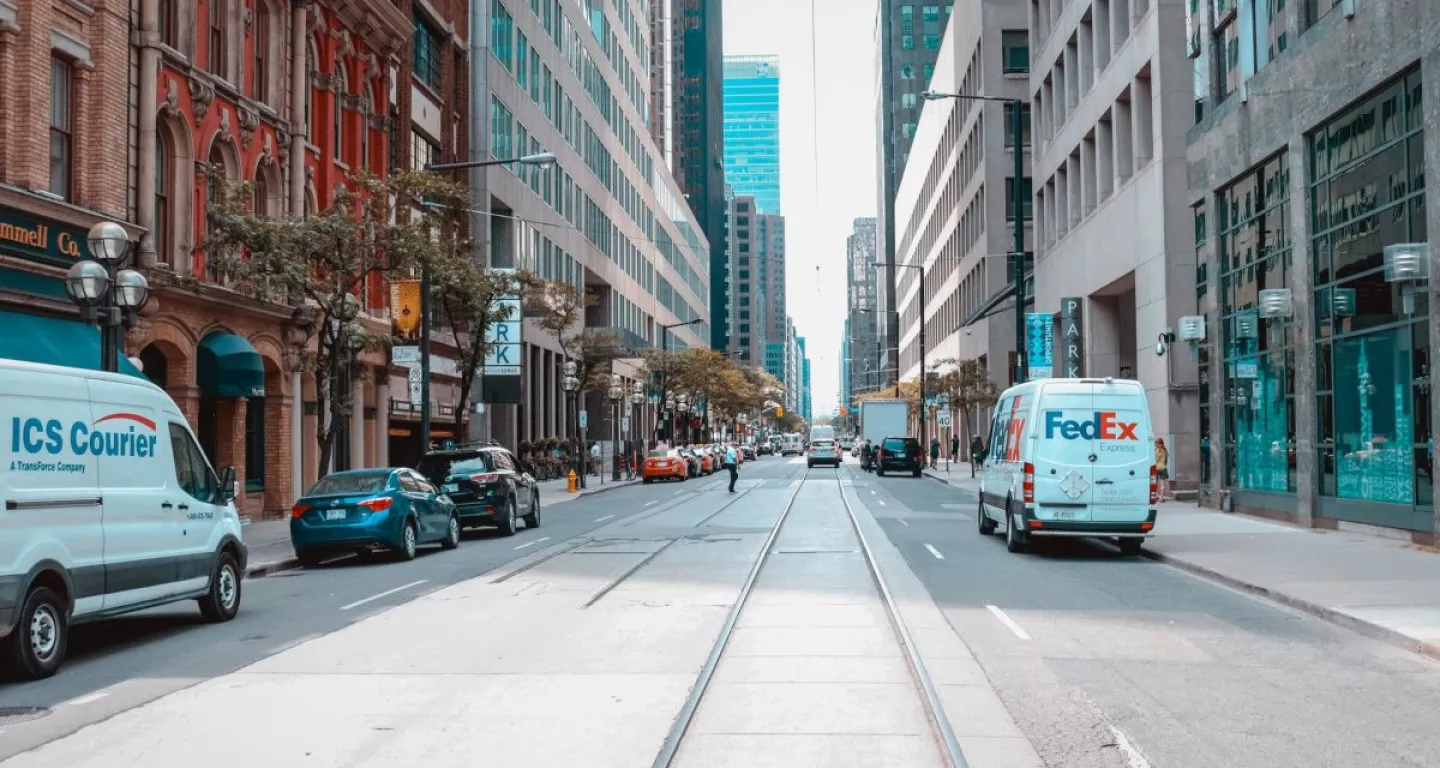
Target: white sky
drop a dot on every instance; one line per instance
(847, 184)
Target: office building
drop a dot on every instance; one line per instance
(907, 42)
(860, 368)
(805, 403)
(954, 208)
(1307, 171)
(752, 128)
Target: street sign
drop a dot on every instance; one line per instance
(417, 393)
(943, 419)
(584, 419)
(415, 374)
(625, 425)
(406, 354)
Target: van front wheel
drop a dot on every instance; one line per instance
(36, 647)
(223, 600)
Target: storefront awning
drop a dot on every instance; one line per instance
(53, 341)
(228, 366)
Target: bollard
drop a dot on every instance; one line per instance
(571, 487)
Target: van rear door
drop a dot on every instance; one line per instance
(1064, 480)
(1124, 453)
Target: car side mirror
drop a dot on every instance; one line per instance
(229, 490)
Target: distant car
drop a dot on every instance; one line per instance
(846, 443)
(899, 454)
(764, 450)
(747, 451)
(490, 487)
(365, 509)
(822, 452)
(665, 464)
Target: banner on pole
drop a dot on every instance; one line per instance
(1039, 345)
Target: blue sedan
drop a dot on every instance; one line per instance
(365, 509)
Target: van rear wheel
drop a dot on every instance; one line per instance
(983, 523)
(36, 647)
(1015, 539)
(1130, 545)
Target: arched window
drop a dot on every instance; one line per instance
(262, 193)
(260, 44)
(214, 198)
(164, 218)
(217, 49)
(310, 59)
(341, 89)
(364, 160)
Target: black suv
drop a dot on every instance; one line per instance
(899, 454)
(489, 486)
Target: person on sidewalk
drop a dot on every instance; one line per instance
(595, 458)
(732, 461)
(954, 448)
(1162, 467)
(977, 453)
(934, 452)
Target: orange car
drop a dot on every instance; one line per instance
(664, 465)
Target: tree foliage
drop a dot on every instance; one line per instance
(728, 388)
(467, 301)
(968, 384)
(324, 264)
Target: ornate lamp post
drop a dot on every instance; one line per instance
(670, 419)
(637, 399)
(571, 385)
(682, 403)
(107, 294)
(617, 396)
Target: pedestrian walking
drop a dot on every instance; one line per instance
(732, 461)
(595, 458)
(934, 451)
(1162, 467)
(954, 448)
(977, 453)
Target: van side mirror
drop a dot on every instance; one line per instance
(228, 488)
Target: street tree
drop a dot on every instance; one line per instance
(326, 264)
(467, 298)
(969, 386)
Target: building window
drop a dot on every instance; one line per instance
(502, 29)
(932, 42)
(427, 53)
(255, 444)
(214, 195)
(342, 88)
(909, 100)
(62, 143)
(169, 23)
(215, 52)
(929, 72)
(1372, 351)
(309, 85)
(1317, 9)
(163, 217)
(260, 198)
(1024, 126)
(908, 130)
(1015, 51)
(931, 14)
(907, 71)
(907, 42)
(261, 53)
(1259, 357)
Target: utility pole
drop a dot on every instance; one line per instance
(1018, 193)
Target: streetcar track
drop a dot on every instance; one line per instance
(929, 694)
(680, 498)
(723, 507)
(631, 571)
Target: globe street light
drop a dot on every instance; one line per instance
(617, 396)
(107, 294)
(571, 385)
(637, 398)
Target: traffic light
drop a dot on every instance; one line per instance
(780, 412)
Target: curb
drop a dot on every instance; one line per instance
(610, 486)
(261, 570)
(1338, 618)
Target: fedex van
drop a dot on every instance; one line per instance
(1070, 457)
(107, 506)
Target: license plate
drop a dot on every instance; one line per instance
(335, 514)
(450, 487)
(1063, 514)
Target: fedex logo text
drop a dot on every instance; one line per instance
(1103, 426)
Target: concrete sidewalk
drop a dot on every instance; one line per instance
(1385, 589)
(269, 540)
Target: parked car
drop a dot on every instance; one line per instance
(822, 452)
(747, 451)
(764, 449)
(899, 454)
(846, 443)
(363, 510)
(665, 464)
(490, 487)
(107, 505)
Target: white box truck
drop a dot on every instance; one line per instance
(880, 419)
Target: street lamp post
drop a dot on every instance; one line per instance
(571, 385)
(670, 420)
(108, 294)
(637, 399)
(617, 396)
(683, 404)
(665, 364)
(1018, 200)
(543, 160)
(921, 269)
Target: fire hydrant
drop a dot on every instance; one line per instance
(571, 488)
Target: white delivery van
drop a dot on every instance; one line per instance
(107, 505)
(1070, 457)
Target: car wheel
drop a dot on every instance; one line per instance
(36, 647)
(509, 523)
(409, 538)
(223, 601)
(532, 520)
(683, 478)
(452, 534)
(308, 558)
(1130, 545)
(1015, 540)
(647, 480)
(983, 523)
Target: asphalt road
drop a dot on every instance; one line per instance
(120, 664)
(1107, 660)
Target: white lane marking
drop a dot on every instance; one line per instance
(1133, 758)
(935, 552)
(1008, 622)
(882, 502)
(386, 593)
(75, 702)
(603, 519)
(648, 503)
(533, 543)
(902, 522)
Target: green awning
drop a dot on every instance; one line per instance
(54, 341)
(228, 366)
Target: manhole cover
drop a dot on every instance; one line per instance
(16, 715)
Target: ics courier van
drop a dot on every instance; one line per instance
(107, 505)
(1070, 457)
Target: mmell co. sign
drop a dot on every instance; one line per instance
(1072, 337)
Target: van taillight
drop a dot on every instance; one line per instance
(1154, 485)
(299, 510)
(1027, 484)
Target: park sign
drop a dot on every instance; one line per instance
(500, 380)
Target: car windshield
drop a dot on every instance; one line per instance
(438, 466)
(660, 454)
(898, 443)
(351, 483)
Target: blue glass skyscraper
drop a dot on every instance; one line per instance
(752, 129)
